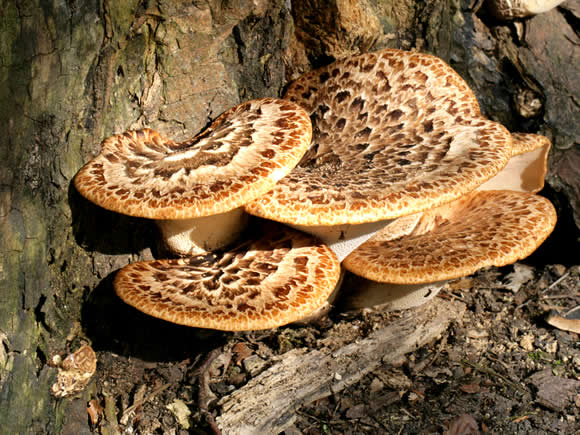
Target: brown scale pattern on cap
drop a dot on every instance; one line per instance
(278, 277)
(394, 133)
(239, 157)
(525, 142)
(489, 228)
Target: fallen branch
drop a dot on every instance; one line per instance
(268, 402)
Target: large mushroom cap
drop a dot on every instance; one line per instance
(487, 228)
(280, 277)
(239, 157)
(394, 133)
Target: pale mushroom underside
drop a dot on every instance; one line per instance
(394, 133)
(239, 157)
(527, 166)
(487, 228)
(277, 277)
(510, 9)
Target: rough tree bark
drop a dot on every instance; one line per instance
(72, 73)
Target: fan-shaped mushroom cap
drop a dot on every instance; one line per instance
(194, 189)
(526, 169)
(239, 157)
(394, 133)
(281, 276)
(488, 228)
(510, 9)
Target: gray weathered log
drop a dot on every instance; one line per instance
(267, 403)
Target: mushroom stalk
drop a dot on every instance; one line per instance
(197, 236)
(343, 239)
(358, 292)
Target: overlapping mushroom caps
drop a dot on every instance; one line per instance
(195, 189)
(276, 277)
(394, 133)
(398, 140)
(524, 172)
(483, 228)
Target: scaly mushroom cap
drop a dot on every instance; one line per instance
(489, 228)
(394, 133)
(527, 167)
(510, 9)
(279, 277)
(239, 157)
(526, 142)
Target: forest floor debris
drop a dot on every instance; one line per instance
(500, 368)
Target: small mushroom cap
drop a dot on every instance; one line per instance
(488, 228)
(527, 167)
(239, 157)
(394, 133)
(276, 278)
(510, 9)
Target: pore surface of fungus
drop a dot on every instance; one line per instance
(394, 133)
(240, 156)
(277, 277)
(487, 228)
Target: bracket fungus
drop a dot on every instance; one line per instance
(394, 133)
(277, 277)
(414, 255)
(527, 167)
(75, 372)
(390, 143)
(510, 9)
(195, 189)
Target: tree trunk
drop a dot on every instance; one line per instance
(73, 73)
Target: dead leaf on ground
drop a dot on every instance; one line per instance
(241, 352)
(563, 323)
(95, 411)
(462, 425)
(472, 388)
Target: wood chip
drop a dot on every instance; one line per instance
(554, 392)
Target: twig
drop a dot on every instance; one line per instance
(572, 296)
(498, 361)
(570, 311)
(551, 286)
(492, 372)
(519, 418)
(204, 396)
(131, 409)
(423, 365)
(555, 283)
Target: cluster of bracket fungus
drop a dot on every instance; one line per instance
(391, 141)
(394, 133)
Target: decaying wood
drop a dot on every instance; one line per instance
(267, 403)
